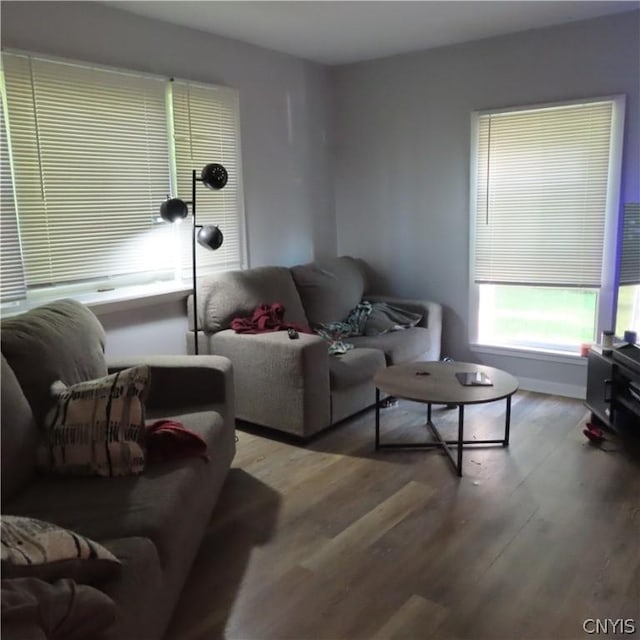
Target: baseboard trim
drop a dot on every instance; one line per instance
(553, 388)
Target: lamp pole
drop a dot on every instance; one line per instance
(193, 263)
(214, 176)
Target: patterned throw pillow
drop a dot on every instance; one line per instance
(97, 427)
(33, 548)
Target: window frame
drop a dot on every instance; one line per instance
(607, 294)
(144, 284)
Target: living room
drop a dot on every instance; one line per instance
(414, 224)
(368, 159)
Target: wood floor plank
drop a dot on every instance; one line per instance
(332, 540)
(371, 527)
(416, 618)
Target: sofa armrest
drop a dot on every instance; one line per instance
(431, 314)
(279, 382)
(184, 384)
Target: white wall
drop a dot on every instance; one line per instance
(158, 328)
(402, 165)
(286, 120)
(284, 104)
(400, 146)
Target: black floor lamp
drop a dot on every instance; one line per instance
(213, 176)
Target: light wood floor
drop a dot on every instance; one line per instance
(332, 540)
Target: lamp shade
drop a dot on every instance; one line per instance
(210, 237)
(173, 209)
(214, 176)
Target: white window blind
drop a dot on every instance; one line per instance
(206, 130)
(541, 192)
(91, 163)
(630, 258)
(11, 272)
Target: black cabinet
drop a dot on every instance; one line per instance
(599, 385)
(626, 384)
(613, 387)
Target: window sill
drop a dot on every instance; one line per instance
(110, 301)
(530, 354)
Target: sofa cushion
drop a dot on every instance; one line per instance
(401, 346)
(97, 427)
(19, 435)
(59, 341)
(139, 590)
(329, 289)
(150, 505)
(225, 296)
(33, 609)
(354, 366)
(39, 549)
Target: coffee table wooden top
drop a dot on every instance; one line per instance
(436, 382)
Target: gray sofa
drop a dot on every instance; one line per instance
(153, 522)
(295, 386)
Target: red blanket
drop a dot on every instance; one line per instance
(171, 440)
(265, 318)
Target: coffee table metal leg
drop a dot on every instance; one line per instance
(507, 422)
(439, 441)
(460, 438)
(377, 418)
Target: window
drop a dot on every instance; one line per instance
(90, 155)
(544, 195)
(13, 282)
(206, 129)
(628, 317)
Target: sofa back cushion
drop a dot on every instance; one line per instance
(58, 341)
(330, 288)
(19, 435)
(233, 294)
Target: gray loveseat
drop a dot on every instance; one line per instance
(295, 386)
(153, 522)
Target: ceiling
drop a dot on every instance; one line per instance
(342, 32)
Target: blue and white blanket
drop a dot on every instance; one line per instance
(367, 319)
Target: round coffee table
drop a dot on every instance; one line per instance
(436, 383)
